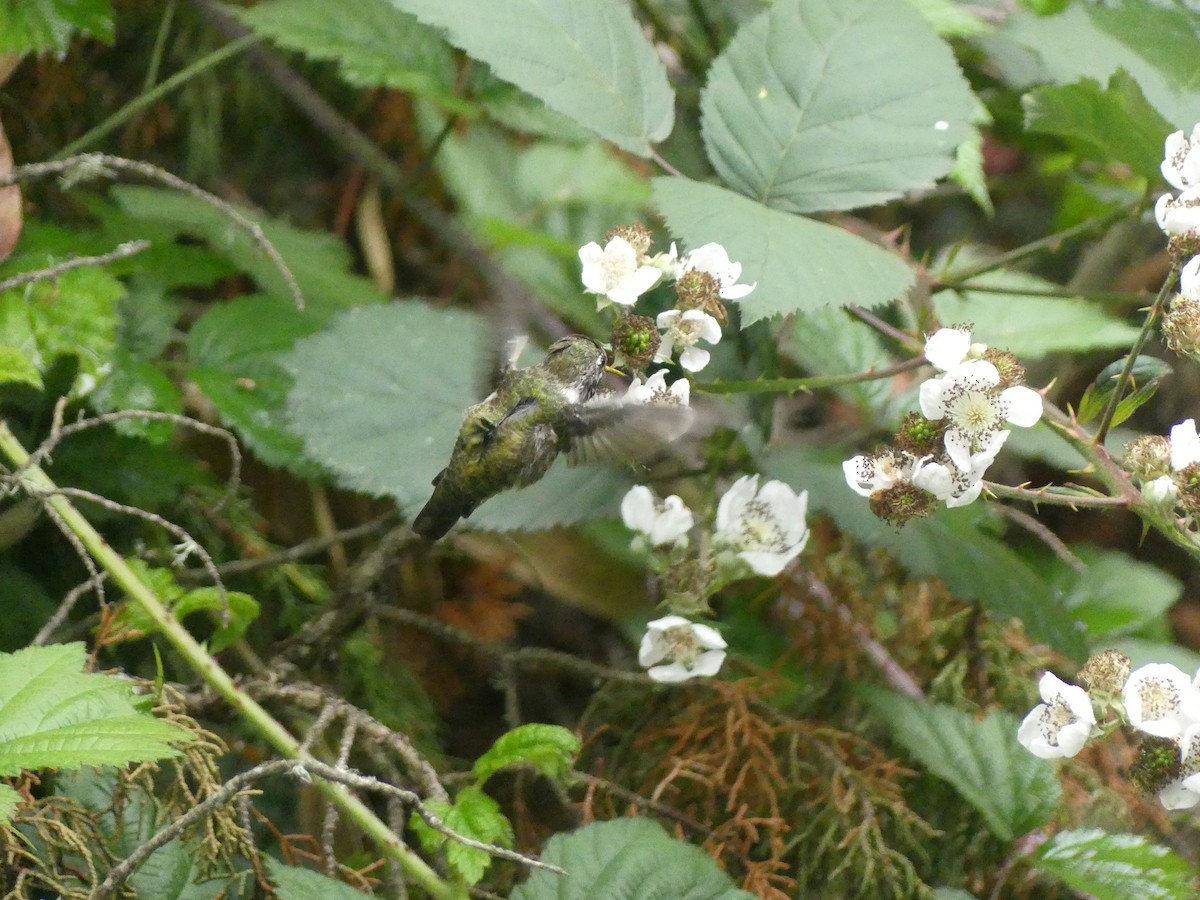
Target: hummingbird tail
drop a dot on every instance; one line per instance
(439, 515)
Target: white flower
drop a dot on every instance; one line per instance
(950, 347)
(882, 471)
(668, 263)
(1161, 700)
(969, 397)
(655, 390)
(1181, 165)
(766, 526)
(1161, 490)
(615, 273)
(1185, 445)
(1060, 725)
(1179, 215)
(661, 521)
(712, 259)
(682, 329)
(1189, 279)
(674, 649)
(1184, 792)
(955, 486)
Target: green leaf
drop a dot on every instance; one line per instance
(1030, 326)
(565, 496)
(1116, 595)
(35, 26)
(949, 19)
(1013, 789)
(236, 351)
(1112, 125)
(548, 748)
(1156, 45)
(137, 384)
(17, 368)
(1116, 866)
(53, 715)
(952, 544)
(293, 883)
(319, 261)
(379, 395)
(627, 858)
(373, 43)
(587, 59)
(132, 618)
(1147, 373)
(800, 265)
(834, 104)
(1143, 652)
(473, 814)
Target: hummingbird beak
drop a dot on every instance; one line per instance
(611, 371)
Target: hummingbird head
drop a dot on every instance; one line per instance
(577, 362)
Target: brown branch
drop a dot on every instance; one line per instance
(129, 248)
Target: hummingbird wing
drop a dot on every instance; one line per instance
(611, 429)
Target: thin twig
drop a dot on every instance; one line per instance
(95, 165)
(94, 577)
(645, 802)
(1044, 534)
(121, 251)
(64, 608)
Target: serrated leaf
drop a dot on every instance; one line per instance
(565, 496)
(1013, 789)
(1116, 866)
(830, 342)
(137, 384)
(952, 544)
(834, 104)
(1146, 373)
(1109, 125)
(548, 748)
(1116, 594)
(800, 265)
(319, 261)
(586, 59)
(55, 715)
(627, 858)
(374, 44)
(293, 883)
(1157, 45)
(236, 351)
(1030, 326)
(473, 814)
(40, 25)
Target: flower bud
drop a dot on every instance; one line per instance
(700, 290)
(901, 502)
(1147, 457)
(1010, 369)
(1181, 326)
(921, 436)
(1106, 672)
(1157, 765)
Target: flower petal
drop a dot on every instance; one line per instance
(947, 347)
(1024, 405)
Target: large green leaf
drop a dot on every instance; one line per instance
(1111, 125)
(374, 44)
(1116, 594)
(40, 25)
(834, 104)
(1116, 866)
(54, 715)
(800, 265)
(1013, 789)
(587, 59)
(627, 858)
(955, 545)
(1155, 43)
(1011, 316)
(235, 351)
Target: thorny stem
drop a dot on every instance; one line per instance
(38, 484)
(1125, 378)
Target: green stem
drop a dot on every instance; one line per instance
(142, 101)
(1126, 376)
(955, 278)
(38, 484)
(1114, 297)
(815, 382)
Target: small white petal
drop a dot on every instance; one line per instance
(734, 500)
(1161, 490)
(1189, 279)
(1185, 445)
(947, 348)
(1176, 796)
(694, 358)
(1160, 700)
(637, 509)
(1024, 405)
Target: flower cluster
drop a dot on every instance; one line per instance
(759, 529)
(1179, 217)
(1159, 700)
(622, 270)
(1168, 469)
(943, 453)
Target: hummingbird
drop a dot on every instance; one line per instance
(511, 437)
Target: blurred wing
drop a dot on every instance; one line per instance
(607, 429)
